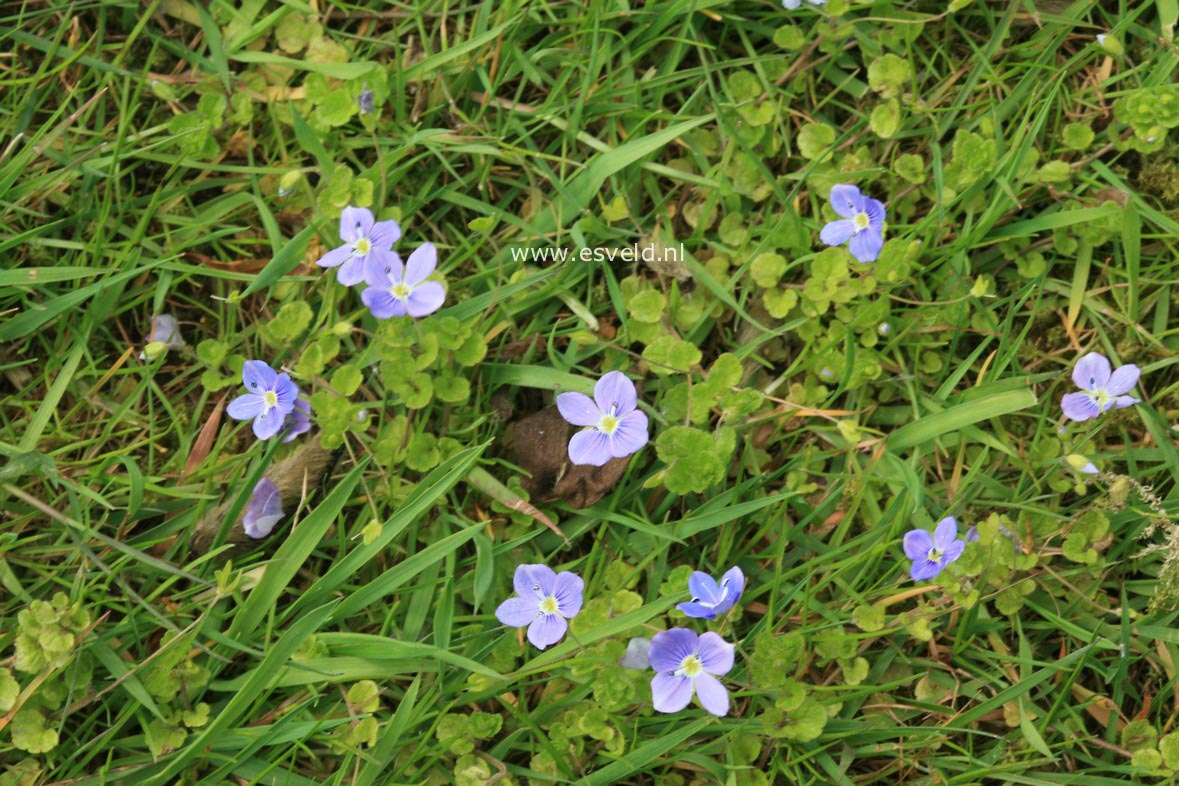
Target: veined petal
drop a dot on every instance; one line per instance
(547, 629)
(924, 569)
(355, 223)
(287, 392)
(421, 264)
(578, 409)
(381, 303)
(733, 583)
(425, 299)
(712, 695)
(704, 588)
(246, 407)
(631, 434)
(385, 270)
(716, 654)
(568, 590)
(264, 509)
(1092, 372)
(518, 612)
(838, 232)
(522, 583)
(542, 576)
(945, 532)
(353, 271)
(336, 257)
(865, 246)
(669, 648)
(670, 693)
(877, 212)
(1121, 402)
(268, 423)
(845, 199)
(1079, 406)
(590, 447)
(697, 610)
(615, 393)
(953, 552)
(258, 377)
(917, 544)
(1123, 380)
(385, 233)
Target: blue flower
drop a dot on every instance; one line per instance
(396, 290)
(709, 598)
(264, 509)
(1102, 388)
(270, 399)
(636, 657)
(862, 225)
(368, 244)
(689, 664)
(616, 427)
(546, 599)
(931, 554)
(791, 5)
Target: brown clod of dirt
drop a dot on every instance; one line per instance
(539, 444)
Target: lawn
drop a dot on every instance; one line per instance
(674, 392)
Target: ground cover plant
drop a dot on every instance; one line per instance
(539, 392)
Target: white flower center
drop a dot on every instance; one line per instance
(548, 605)
(861, 221)
(400, 290)
(934, 555)
(270, 399)
(362, 246)
(690, 666)
(608, 424)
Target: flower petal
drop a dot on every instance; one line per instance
(1092, 372)
(1121, 402)
(953, 552)
(258, 377)
(630, 436)
(716, 654)
(712, 695)
(541, 579)
(1079, 406)
(670, 693)
(924, 569)
(918, 542)
(268, 423)
(298, 420)
(355, 223)
(568, 589)
(382, 304)
(385, 233)
(704, 588)
(669, 648)
(589, 447)
(287, 392)
(615, 393)
(426, 298)
(876, 211)
(636, 654)
(353, 272)
(246, 407)
(384, 270)
(264, 509)
(945, 532)
(865, 246)
(335, 257)
(1123, 380)
(522, 582)
(733, 583)
(421, 264)
(518, 612)
(547, 629)
(165, 330)
(697, 610)
(578, 409)
(838, 232)
(845, 200)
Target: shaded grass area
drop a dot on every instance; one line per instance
(171, 158)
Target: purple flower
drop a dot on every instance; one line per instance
(617, 428)
(930, 555)
(636, 657)
(366, 245)
(862, 223)
(791, 5)
(971, 535)
(1103, 390)
(264, 509)
(271, 398)
(395, 290)
(545, 601)
(687, 664)
(297, 421)
(365, 101)
(710, 598)
(164, 333)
